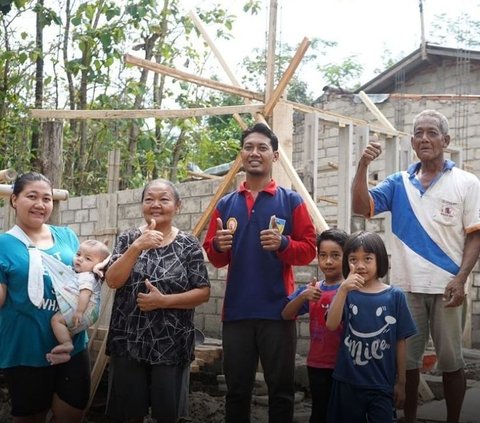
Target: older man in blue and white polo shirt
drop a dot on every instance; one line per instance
(435, 210)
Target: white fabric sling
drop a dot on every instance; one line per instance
(35, 268)
(64, 281)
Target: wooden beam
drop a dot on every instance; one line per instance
(7, 175)
(221, 191)
(327, 200)
(287, 75)
(198, 24)
(324, 115)
(58, 194)
(145, 113)
(345, 176)
(282, 126)
(185, 76)
(113, 173)
(203, 175)
(375, 111)
(297, 183)
(333, 118)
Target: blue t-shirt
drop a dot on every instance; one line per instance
(373, 323)
(25, 330)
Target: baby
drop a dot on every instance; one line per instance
(90, 254)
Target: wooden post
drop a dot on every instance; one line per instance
(345, 176)
(310, 152)
(52, 159)
(106, 231)
(282, 126)
(272, 41)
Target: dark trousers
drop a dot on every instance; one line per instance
(320, 381)
(274, 343)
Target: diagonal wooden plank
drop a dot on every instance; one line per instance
(185, 76)
(287, 75)
(376, 111)
(296, 181)
(222, 189)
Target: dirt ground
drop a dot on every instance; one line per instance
(206, 402)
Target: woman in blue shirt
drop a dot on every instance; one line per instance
(26, 308)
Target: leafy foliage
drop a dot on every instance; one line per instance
(342, 75)
(462, 30)
(6, 5)
(84, 70)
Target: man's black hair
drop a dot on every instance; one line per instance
(261, 128)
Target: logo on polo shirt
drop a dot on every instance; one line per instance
(447, 209)
(232, 224)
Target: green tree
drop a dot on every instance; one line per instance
(298, 90)
(462, 31)
(344, 74)
(6, 5)
(16, 53)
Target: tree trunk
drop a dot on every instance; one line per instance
(35, 146)
(52, 159)
(134, 129)
(177, 154)
(71, 86)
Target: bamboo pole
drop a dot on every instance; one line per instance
(58, 194)
(7, 175)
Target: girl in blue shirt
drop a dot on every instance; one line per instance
(369, 374)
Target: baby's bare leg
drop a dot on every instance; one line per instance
(60, 353)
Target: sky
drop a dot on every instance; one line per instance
(362, 28)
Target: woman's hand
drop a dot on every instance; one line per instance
(150, 238)
(152, 300)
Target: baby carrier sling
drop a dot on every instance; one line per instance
(64, 281)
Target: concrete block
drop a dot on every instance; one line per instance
(81, 216)
(89, 202)
(75, 203)
(68, 216)
(87, 229)
(127, 197)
